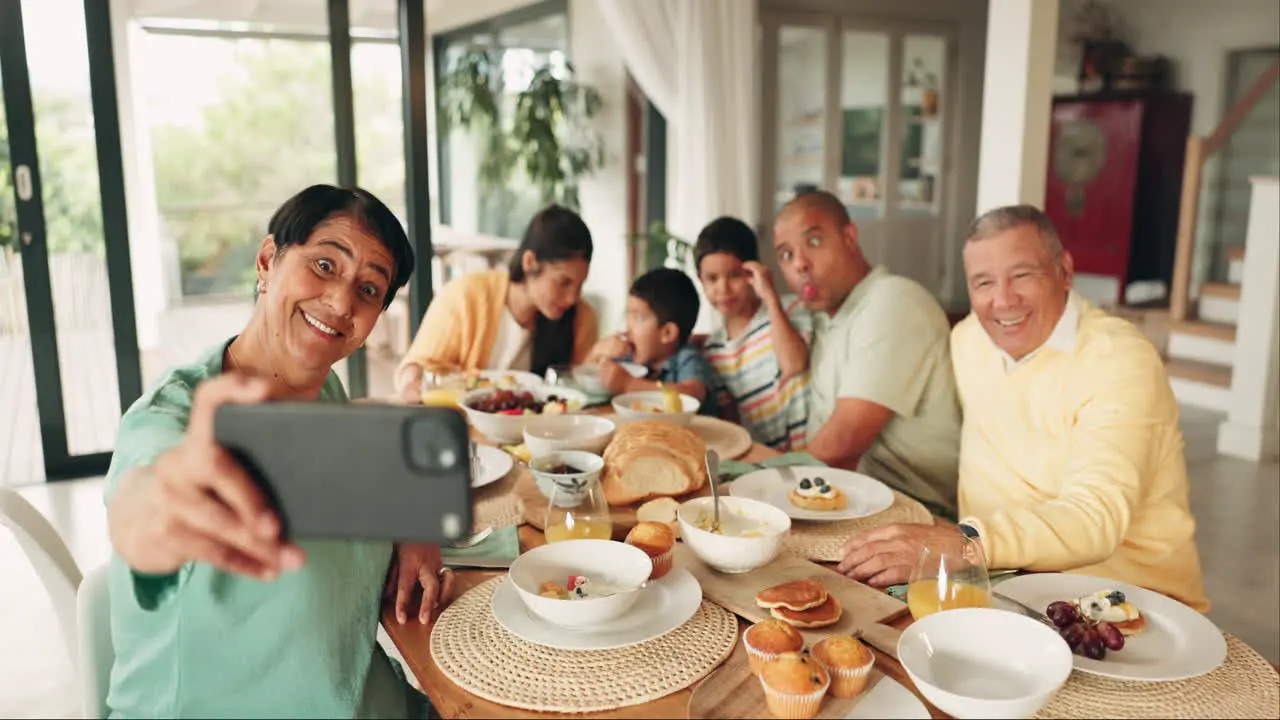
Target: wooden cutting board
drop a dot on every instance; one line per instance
(865, 609)
(732, 691)
(535, 504)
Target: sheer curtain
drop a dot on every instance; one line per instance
(696, 61)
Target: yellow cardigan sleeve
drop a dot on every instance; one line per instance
(1114, 448)
(438, 346)
(586, 331)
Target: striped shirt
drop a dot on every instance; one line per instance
(775, 413)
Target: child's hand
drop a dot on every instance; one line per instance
(761, 280)
(611, 348)
(613, 377)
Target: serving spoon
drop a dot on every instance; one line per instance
(713, 475)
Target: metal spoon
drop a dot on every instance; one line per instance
(713, 476)
(473, 540)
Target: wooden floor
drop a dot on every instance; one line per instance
(91, 403)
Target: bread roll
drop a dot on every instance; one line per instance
(661, 510)
(649, 459)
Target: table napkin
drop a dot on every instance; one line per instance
(504, 543)
(732, 469)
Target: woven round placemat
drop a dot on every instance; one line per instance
(474, 651)
(497, 511)
(822, 541)
(1245, 686)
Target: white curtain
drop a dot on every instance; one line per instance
(696, 61)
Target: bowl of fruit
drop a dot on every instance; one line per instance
(501, 414)
(666, 404)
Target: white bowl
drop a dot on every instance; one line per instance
(509, 429)
(587, 377)
(607, 564)
(726, 551)
(555, 433)
(984, 662)
(623, 405)
(571, 485)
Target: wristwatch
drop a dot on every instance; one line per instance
(969, 531)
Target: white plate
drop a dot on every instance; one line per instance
(662, 607)
(867, 496)
(888, 698)
(728, 440)
(1179, 643)
(492, 465)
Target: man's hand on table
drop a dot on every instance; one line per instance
(885, 556)
(415, 564)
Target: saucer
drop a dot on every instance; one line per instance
(662, 607)
(492, 465)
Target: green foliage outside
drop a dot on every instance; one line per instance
(217, 180)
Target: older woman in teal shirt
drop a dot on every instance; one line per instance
(212, 613)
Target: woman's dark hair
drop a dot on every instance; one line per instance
(301, 214)
(726, 235)
(555, 234)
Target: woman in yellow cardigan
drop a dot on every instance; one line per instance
(528, 316)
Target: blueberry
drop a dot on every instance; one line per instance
(819, 482)
(1115, 597)
(825, 489)
(805, 484)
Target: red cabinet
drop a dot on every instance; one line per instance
(1115, 181)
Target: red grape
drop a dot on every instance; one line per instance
(1111, 635)
(1062, 613)
(1092, 645)
(1073, 634)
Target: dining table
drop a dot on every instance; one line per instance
(413, 640)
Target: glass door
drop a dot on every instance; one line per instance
(68, 353)
(861, 109)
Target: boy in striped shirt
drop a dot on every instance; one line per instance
(761, 349)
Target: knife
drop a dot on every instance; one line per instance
(1024, 609)
(478, 562)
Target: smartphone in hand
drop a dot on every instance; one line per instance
(356, 471)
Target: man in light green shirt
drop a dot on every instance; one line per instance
(882, 393)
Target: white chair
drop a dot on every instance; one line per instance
(49, 557)
(97, 653)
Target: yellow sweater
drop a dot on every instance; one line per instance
(462, 321)
(1073, 461)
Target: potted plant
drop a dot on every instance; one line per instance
(548, 136)
(657, 247)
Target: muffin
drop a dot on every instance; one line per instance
(657, 541)
(767, 639)
(794, 685)
(848, 662)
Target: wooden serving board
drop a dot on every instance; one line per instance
(732, 691)
(865, 609)
(535, 504)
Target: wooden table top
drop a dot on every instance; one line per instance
(451, 701)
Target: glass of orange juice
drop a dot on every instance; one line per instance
(948, 574)
(578, 510)
(440, 390)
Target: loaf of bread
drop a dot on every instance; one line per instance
(650, 459)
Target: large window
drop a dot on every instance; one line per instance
(519, 43)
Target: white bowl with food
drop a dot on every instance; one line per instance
(656, 405)
(750, 534)
(587, 377)
(615, 573)
(569, 471)
(984, 662)
(502, 414)
(556, 433)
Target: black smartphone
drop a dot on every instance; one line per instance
(356, 471)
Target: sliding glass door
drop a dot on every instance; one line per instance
(68, 359)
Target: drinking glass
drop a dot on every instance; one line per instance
(949, 573)
(577, 510)
(440, 390)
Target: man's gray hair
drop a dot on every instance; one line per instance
(1003, 219)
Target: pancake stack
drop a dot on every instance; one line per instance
(802, 603)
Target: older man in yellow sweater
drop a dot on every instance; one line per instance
(1071, 458)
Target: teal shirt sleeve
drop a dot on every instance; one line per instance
(689, 364)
